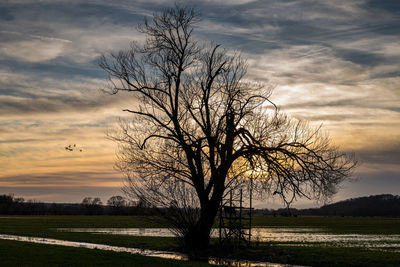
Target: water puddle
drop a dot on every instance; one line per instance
(299, 236)
(157, 232)
(165, 232)
(50, 241)
(350, 240)
(144, 252)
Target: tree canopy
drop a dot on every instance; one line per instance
(199, 128)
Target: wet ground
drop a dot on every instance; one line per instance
(293, 236)
(144, 252)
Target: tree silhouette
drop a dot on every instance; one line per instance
(92, 205)
(116, 202)
(199, 129)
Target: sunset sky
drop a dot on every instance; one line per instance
(335, 63)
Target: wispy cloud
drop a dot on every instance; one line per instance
(332, 62)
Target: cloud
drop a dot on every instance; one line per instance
(9, 141)
(33, 50)
(390, 6)
(65, 178)
(31, 93)
(352, 103)
(75, 32)
(331, 62)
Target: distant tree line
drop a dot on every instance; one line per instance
(385, 205)
(378, 205)
(116, 205)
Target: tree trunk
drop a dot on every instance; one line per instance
(198, 238)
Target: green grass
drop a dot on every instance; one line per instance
(46, 226)
(315, 255)
(15, 253)
(335, 225)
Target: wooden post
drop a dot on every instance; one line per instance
(230, 216)
(220, 222)
(251, 207)
(240, 217)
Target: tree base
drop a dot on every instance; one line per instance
(197, 241)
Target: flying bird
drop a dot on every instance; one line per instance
(72, 147)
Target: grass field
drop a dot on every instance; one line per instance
(14, 253)
(336, 225)
(46, 226)
(316, 255)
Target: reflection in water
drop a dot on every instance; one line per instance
(349, 240)
(165, 232)
(144, 252)
(218, 261)
(50, 241)
(159, 232)
(299, 236)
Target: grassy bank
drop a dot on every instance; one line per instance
(14, 253)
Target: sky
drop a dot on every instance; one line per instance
(332, 63)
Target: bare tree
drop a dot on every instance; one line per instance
(200, 128)
(117, 202)
(92, 205)
(92, 201)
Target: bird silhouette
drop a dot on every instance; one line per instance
(72, 148)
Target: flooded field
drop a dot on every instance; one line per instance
(339, 241)
(293, 236)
